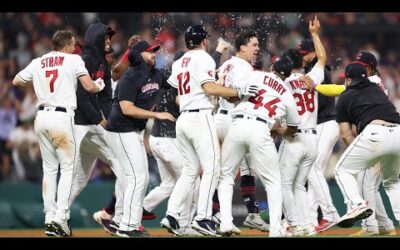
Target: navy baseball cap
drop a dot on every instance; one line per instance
(367, 58)
(306, 46)
(283, 65)
(143, 46)
(355, 70)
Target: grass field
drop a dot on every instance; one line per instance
(157, 232)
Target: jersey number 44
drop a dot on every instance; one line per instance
(270, 106)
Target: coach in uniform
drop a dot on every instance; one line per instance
(134, 98)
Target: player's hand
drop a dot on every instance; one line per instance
(309, 83)
(222, 45)
(314, 26)
(165, 116)
(103, 123)
(133, 40)
(100, 84)
(248, 90)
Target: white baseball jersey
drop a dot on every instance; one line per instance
(232, 71)
(306, 101)
(54, 78)
(376, 79)
(273, 101)
(189, 73)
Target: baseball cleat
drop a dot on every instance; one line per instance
(148, 215)
(104, 219)
(324, 225)
(359, 212)
(254, 221)
(205, 227)
(62, 226)
(228, 230)
(171, 224)
(49, 230)
(133, 234)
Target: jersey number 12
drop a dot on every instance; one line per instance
(54, 74)
(183, 80)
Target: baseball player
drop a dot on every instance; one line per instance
(230, 71)
(134, 98)
(298, 153)
(54, 77)
(249, 133)
(91, 116)
(378, 128)
(194, 77)
(327, 136)
(370, 179)
(163, 145)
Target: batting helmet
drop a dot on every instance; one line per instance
(283, 65)
(194, 35)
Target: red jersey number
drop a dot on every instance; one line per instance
(183, 80)
(53, 73)
(305, 102)
(270, 106)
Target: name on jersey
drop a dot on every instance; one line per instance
(274, 84)
(297, 84)
(150, 86)
(52, 61)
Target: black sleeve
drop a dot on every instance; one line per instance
(105, 95)
(83, 98)
(127, 90)
(341, 110)
(217, 58)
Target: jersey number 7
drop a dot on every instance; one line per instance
(53, 73)
(258, 102)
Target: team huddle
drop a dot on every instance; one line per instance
(212, 123)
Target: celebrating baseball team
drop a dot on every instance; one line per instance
(214, 124)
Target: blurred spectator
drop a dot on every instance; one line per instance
(25, 153)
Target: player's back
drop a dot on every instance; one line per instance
(273, 101)
(232, 71)
(55, 78)
(306, 100)
(193, 69)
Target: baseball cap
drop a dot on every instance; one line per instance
(283, 65)
(355, 70)
(367, 58)
(143, 46)
(306, 46)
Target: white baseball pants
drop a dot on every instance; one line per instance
(369, 181)
(318, 189)
(92, 142)
(170, 165)
(296, 156)
(222, 123)
(375, 143)
(252, 136)
(199, 146)
(56, 134)
(129, 149)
